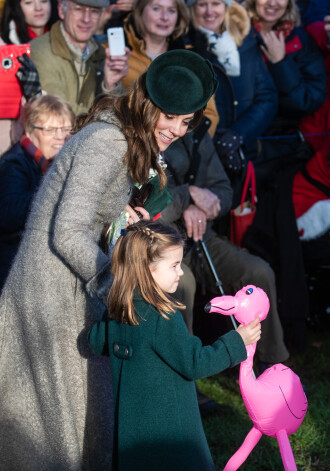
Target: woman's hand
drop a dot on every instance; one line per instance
(250, 333)
(115, 68)
(275, 50)
(195, 221)
(134, 216)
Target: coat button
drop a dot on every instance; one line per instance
(126, 351)
(116, 348)
(235, 103)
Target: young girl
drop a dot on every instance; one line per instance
(154, 359)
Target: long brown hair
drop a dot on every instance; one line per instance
(138, 118)
(144, 243)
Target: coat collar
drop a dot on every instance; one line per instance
(61, 49)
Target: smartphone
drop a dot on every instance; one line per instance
(116, 40)
(10, 89)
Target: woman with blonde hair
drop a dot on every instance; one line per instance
(246, 98)
(295, 63)
(154, 27)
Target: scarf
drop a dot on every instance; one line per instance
(42, 163)
(224, 48)
(285, 27)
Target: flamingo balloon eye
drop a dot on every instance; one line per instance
(249, 291)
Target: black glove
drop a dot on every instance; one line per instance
(28, 77)
(228, 148)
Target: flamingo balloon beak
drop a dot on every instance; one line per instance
(207, 307)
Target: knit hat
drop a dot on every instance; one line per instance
(180, 81)
(191, 2)
(93, 3)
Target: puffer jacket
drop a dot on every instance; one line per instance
(300, 77)
(247, 103)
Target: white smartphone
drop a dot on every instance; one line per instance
(116, 40)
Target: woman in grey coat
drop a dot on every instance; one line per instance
(55, 395)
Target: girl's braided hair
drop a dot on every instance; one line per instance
(143, 243)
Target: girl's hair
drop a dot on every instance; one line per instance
(144, 243)
(291, 14)
(42, 108)
(138, 118)
(236, 21)
(12, 11)
(182, 24)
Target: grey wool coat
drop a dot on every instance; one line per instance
(154, 364)
(55, 395)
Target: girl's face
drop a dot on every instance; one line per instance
(271, 11)
(36, 12)
(170, 127)
(167, 270)
(159, 18)
(210, 14)
(51, 138)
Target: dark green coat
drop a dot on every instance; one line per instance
(154, 365)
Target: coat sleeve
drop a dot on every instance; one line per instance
(95, 167)
(98, 338)
(186, 354)
(301, 78)
(256, 119)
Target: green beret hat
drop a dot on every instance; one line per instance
(180, 81)
(93, 3)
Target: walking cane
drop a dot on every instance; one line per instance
(215, 274)
(217, 281)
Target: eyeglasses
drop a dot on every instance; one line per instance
(53, 131)
(79, 11)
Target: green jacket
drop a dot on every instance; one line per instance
(58, 74)
(154, 365)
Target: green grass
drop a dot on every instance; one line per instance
(227, 429)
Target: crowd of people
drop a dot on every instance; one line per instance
(163, 132)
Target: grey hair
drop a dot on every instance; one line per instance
(64, 5)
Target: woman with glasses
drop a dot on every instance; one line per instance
(47, 122)
(55, 395)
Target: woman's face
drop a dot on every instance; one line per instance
(51, 138)
(170, 127)
(159, 18)
(210, 14)
(36, 12)
(271, 11)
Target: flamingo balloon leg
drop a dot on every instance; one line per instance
(275, 401)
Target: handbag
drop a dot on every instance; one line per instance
(10, 90)
(242, 216)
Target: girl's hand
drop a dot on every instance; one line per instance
(250, 333)
(134, 216)
(275, 50)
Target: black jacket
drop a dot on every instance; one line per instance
(19, 179)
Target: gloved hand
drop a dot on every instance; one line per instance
(228, 148)
(28, 77)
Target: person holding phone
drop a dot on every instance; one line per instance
(55, 395)
(71, 63)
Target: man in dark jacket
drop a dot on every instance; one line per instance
(202, 193)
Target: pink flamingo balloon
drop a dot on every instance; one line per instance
(275, 401)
